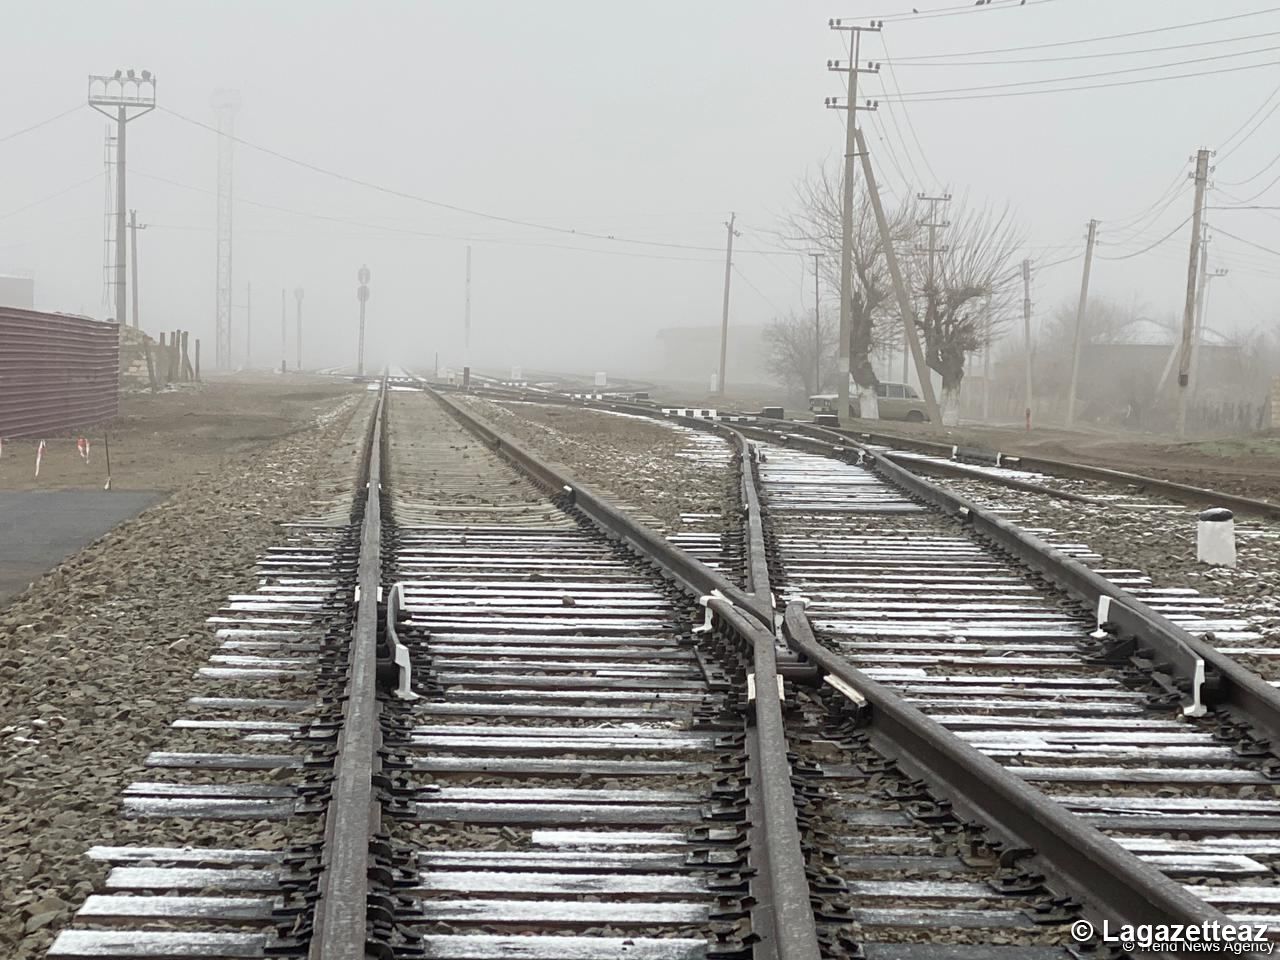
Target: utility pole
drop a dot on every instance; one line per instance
(986, 361)
(1189, 306)
(284, 319)
(297, 296)
(1202, 308)
(115, 97)
(817, 329)
(867, 405)
(724, 313)
(134, 227)
(225, 104)
(248, 326)
(899, 288)
(466, 317)
(933, 225)
(362, 294)
(1080, 314)
(1026, 331)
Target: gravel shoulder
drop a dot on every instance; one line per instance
(97, 656)
(660, 472)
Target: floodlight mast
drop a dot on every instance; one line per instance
(122, 97)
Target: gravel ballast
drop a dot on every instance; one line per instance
(659, 472)
(97, 658)
(1161, 543)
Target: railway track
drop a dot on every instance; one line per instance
(479, 712)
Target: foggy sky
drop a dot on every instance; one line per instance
(644, 121)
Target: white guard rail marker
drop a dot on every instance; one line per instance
(1196, 708)
(1104, 611)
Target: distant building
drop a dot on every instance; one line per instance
(693, 353)
(19, 292)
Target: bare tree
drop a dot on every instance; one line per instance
(968, 300)
(794, 344)
(816, 222)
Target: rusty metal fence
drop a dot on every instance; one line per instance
(57, 373)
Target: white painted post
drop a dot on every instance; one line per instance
(1216, 537)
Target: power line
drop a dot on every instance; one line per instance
(1069, 43)
(1250, 243)
(53, 196)
(960, 9)
(1100, 73)
(912, 98)
(743, 277)
(402, 231)
(43, 123)
(907, 113)
(405, 195)
(1138, 253)
(915, 62)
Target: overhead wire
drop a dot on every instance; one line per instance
(424, 234)
(1097, 39)
(441, 204)
(1152, 246)
(915, 62)
(1250, 243)
(960, 9)
(1093, 76)
(53, 196)
(43, 123)
(906, 114)
(914, 98)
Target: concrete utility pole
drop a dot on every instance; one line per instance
(297, 296)
(1189, 306)
(1080, 314)
(1026, 330)
(284, 319)
(899, 288)
(466, 317)
(362, 294)
(986, 361)
(122, 97)
(724, 312)
(248, 326)
(817, 329)
(933, 225)
(225, 103)
(867, 406)
(134, 227)
(1202, 308)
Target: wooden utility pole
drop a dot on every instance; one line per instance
(724, 315)
(851, 109)
(1026, 330)
(1080, 315)
(899, 288)
(817, 329)
(1189, 306)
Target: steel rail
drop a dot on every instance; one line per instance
(1079, 471)
(1205, 676)
(783, 916)
(354, 812)
(1116, 884)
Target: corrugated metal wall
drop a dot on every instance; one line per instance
(57, 373)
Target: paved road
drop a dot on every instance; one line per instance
(38, 528)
